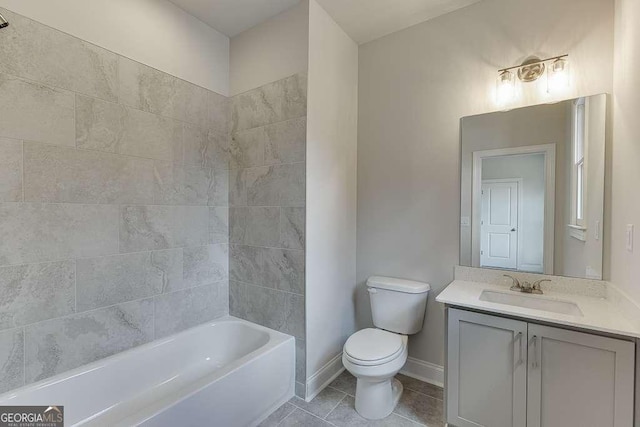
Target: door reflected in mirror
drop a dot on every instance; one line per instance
(532, 188)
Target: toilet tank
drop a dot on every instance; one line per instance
(398, 305)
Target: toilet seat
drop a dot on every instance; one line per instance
(373, 347)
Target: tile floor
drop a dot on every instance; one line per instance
(420, 405)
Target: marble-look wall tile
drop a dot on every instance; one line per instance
(274, 102)
(286, 142)
(292, 228)
(144, 228)
(263, 306)
(237, 187)
(281, 185)
(301, 363)
(115, 279)
(294, 316)
(256, 226)
(11, 359)
(10, 170)
(184, 309)
(36, 112)
(187, 185)
(247, 148)
(34, 292)
(204, 265)
(218, 225)
(206, 148)
(38, 52)
(99, 124)
(245, 264)
(219, 113)
(65, 343)
(282, 269)
(151, 136)
(36, 232)
(148, 89)
(68, 175)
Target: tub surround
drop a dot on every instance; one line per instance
(113, 203)
(267, 209)
(604, 307)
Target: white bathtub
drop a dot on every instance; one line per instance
(225, 373)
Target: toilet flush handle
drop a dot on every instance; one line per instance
(372, 290)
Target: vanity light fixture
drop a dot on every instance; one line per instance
(556, 67)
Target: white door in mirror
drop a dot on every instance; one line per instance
(499, 236)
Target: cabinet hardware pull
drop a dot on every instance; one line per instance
(535, 351)
(519, 338)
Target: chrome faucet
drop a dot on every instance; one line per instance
(526, 287)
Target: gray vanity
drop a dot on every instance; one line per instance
(552, 344)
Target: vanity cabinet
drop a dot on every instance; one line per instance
(503, 372)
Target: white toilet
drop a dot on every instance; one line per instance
(375, 356)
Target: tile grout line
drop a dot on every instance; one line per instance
(337, 404)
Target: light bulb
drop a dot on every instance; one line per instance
(558, 76)
(505, 88)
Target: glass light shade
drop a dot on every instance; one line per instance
(558, 76)
(505, 87)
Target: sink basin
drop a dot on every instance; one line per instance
(532, 302)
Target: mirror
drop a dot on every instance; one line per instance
(532, 188)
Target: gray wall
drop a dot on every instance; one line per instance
(113, 203)
(267, 214)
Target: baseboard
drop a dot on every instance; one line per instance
(323, 377)
(424, 371)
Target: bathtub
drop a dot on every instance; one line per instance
(228, 372)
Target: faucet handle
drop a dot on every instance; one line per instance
(515, 286)
(536, 288)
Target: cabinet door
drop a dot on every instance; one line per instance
(486, 370)
(578, 380)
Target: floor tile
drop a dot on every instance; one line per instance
(421, 408)
(278, 415)
(420, 386)
(300, 418)
(346, 383)
(322, 404)
(345, 415)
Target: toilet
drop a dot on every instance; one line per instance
(375, 355)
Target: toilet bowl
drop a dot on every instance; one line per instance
(375, 355)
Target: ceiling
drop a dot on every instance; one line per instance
(366, 20)
(231, 17)
(363, 20)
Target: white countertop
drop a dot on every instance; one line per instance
(599, 314)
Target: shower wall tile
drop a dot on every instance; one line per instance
(219, 110)
(99, 124)
(256, 226)
(67, 175)
(237, 187)
(38, 52)
(294, 315)
(36, 232)
(218, 225)
(247, 148)
(275, 102)
(35, 292)
(301, 365)
(184, 309)
(206, 148)
(186, 185)
(204, 265)
(151, 136)
(281, 185)
(145, 228)
(245, 264)
(11, 359)
(115, 279)
(282, 269)
(292, 228)
(65, 343)
(286, 142)
(10, 170)
(257, 304)
(36, 112)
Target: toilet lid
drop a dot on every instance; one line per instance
(369, 345)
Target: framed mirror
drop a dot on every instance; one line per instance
(532, 188)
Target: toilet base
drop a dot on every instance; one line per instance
(377, 399)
